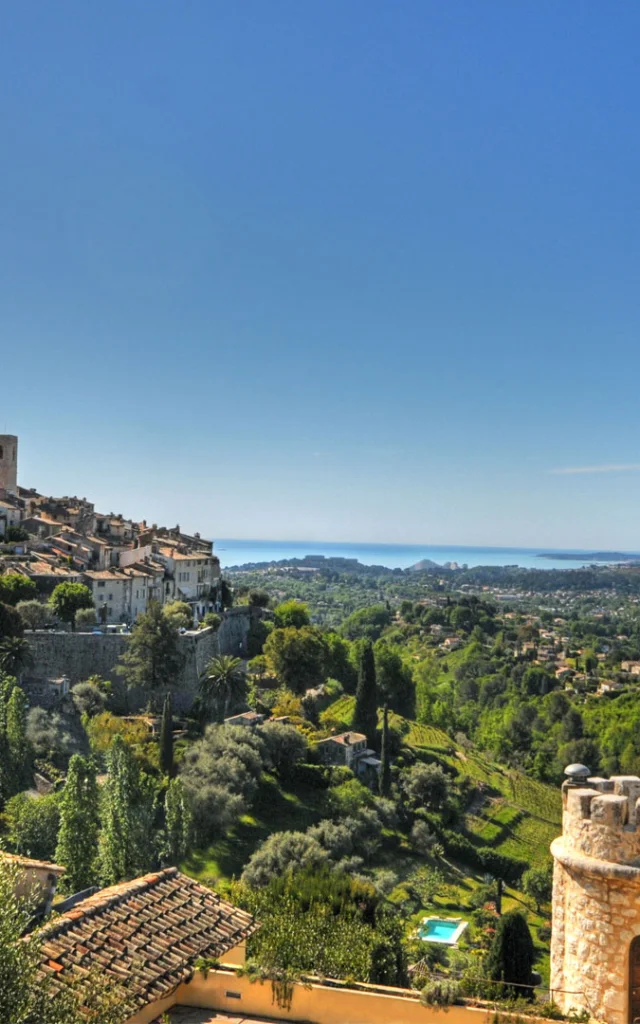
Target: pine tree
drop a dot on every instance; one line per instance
(385, 767)
(127, 817)
(365, 715)
(178, 819)
(165, 739)
(77, 848)
(152, 660)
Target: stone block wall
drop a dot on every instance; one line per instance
(233, 633)
(80, 655)
(596, 898)
(75, 655)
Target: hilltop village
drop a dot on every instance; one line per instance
(316, 791)
(125, 564)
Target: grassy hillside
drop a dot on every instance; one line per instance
(514, 815)
(511, 813)
(275, 809)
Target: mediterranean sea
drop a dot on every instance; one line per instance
(395, 556)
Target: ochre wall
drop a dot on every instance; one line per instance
(319, 1004)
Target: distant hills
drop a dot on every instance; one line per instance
(424, 563)
(593, 556)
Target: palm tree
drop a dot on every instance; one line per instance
(15, 656)
(221, 681)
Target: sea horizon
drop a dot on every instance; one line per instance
(233, 552)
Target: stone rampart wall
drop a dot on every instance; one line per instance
(80, 655)
(234, 629)
(76, 655)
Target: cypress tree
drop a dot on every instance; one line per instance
(165, 739)
(178, 818)
(511, 956)
(17, 743)
(127, 817)
(365, 714)
(385, 767)
(77, 848)
(6, 686)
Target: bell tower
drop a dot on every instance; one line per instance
(8, 463)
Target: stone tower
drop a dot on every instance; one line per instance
(8, 463)
(595, 945)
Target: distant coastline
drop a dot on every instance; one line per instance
(607, 557)
(236, 553)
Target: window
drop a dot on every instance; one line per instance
(101, 583)
(1, 452)
(111, 597)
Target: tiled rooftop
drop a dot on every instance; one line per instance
(347, 738)
(146, 934)
(28, 863)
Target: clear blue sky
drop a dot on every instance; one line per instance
(330, 269)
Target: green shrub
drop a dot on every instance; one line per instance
(440, 993)
(313, 775)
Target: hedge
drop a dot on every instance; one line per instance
(482, 857)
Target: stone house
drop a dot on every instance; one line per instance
(247, 718)
(45, 693)
(37, 876)
(195, 573)
(9, 514)
(350, 749)
(111, 590)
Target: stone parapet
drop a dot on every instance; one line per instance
(601, 819)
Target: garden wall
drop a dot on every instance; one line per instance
(318, 1003)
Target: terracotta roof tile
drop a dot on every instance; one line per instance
(145, 934)
(27, 863)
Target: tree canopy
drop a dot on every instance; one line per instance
(297, 656)
(69, 598)
(152, 660)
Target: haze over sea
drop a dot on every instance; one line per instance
(393, 556)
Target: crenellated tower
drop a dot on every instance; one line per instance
(595, 945)
(8, 463)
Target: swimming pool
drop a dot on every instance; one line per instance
(442, 929)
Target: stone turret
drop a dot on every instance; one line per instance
(8, 463)
(595, 946)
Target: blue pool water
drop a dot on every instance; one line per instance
(442, 931)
